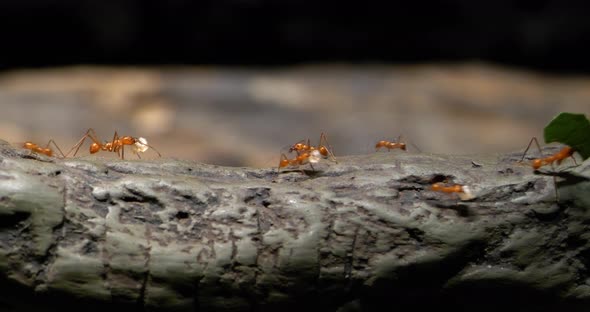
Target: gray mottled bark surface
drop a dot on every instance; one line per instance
(363, 234)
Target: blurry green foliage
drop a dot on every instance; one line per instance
(572, 130)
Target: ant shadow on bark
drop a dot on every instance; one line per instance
(461, 209)
(303, 172)
(567, 178)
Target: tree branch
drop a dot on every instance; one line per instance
(367, 232)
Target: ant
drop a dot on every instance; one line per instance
(116, 145)
(324, 149)
(393, 145)
(302, 159)
(43, 150)
(549, 160)
(462, 191)
(558, 157)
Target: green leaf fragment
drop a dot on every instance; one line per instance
(572, 130)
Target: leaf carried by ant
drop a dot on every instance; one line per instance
(570, 129)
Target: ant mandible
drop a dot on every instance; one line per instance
(43, 150)
(463, 191)
(116, 145)
(301, 159)
(549, 160)
(324, 149)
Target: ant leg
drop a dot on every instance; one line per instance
(150, 146)
(115, 138)
(416, 147)
(137, 141)
(159, 155)
(138, 156)
(30, 151)
(555, 187)
(57, 147)
(330, 149)
(413, 145)
(555, 184)
(574, 159)
(89, 134)
(116, 146)
(77, 145)
(529, 146)
(155, 150)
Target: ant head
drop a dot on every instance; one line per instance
(94, 148)
(297, 147)
(48, 152)
(323, 150)
(28, 145)
(537, 163)
(402, 146)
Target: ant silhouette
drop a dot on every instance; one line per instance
(304, 158)
(324, 149)
(43, 150)
(463, 191)
(393, 145)
(117, 145)
(537, 163)
(549, 160)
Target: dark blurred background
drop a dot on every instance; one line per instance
(546, 35)
(232, 82)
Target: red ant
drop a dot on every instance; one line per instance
(324, 149)
(43, 150)
(393, 145)
(549, 160)
(116, 145)
(558, 157)
(462, 190)
(302, 159)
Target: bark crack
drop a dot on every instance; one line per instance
(50, 256)
(105, 254)
(148, 256)
(348, 266)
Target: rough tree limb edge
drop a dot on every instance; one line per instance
(172, 235)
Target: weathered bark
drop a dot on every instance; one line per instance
(367, 232)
